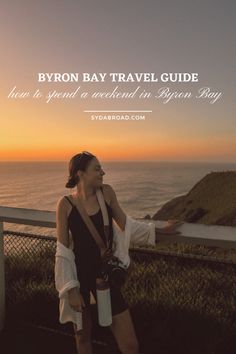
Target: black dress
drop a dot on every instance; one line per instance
(87, 255)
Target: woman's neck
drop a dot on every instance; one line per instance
(84, 193)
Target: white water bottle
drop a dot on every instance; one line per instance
(103, 302)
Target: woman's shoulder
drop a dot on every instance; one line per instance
(61, 203)
(64, 204)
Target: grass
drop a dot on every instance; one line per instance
(178, 305)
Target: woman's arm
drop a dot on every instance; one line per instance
(62, 230)
(120, 216)
(117, 212)
(65, 276)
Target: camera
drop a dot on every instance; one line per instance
(115, 270)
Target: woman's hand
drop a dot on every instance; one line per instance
(76, 300)
(169, 229)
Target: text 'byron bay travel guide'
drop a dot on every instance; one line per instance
(118, 177)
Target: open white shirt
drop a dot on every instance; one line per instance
(136, 233)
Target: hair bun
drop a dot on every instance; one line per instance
(71, 183)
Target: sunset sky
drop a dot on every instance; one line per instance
(118, 36)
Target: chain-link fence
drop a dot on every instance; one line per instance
(170, 295)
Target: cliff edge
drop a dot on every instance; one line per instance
(211, 201)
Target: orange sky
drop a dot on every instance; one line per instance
(178, 130)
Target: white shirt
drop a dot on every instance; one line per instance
(135, 233)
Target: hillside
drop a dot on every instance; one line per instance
(211, 201)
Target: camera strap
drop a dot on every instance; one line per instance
(97, 237)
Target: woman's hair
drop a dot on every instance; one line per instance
(78, 162)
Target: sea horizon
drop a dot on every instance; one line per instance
(142, 187)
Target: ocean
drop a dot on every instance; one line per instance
(141, 187)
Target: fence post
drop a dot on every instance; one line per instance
(2, 279)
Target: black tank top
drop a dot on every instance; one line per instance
(86, 250)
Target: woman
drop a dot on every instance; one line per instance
(86, 174)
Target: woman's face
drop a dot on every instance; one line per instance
(93, 174)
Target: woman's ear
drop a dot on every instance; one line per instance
(78, 175)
